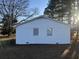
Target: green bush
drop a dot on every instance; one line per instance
(7, 43)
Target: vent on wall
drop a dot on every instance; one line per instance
(27, 42)
(57, 43)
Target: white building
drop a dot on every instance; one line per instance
(43, 30)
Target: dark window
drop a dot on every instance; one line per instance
(35, 31)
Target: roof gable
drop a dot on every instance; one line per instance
(43, 16)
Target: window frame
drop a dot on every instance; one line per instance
(35, 31)
(49, 31)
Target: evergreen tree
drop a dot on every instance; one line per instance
(59, 9)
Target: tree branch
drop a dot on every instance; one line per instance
(4, 6)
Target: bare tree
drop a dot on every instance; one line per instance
(11, 10)
(14, 8)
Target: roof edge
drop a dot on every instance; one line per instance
(41, 16)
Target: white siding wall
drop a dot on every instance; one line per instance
(61, 33)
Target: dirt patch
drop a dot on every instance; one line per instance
(32, 52)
